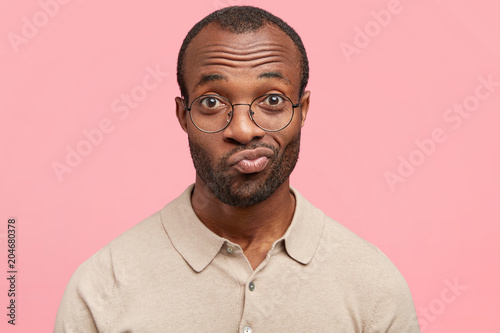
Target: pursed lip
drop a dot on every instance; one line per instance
(250, 154)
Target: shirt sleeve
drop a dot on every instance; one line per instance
(87, 298)
(393, 310)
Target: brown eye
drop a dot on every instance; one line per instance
(274, 100)
(210, 102)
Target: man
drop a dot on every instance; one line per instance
(240, 250)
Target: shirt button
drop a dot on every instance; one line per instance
(247, 329)
(230, 249)
(251, 286)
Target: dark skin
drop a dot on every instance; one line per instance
(242, 67)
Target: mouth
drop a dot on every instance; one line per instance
(251, 160)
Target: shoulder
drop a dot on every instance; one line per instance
(364, 270)
(124, 248)
(139, 249)
(334, 241)
(358, 256)
(91, 290)
(348, 244)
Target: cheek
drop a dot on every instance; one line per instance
(289, 134)
(203, 145)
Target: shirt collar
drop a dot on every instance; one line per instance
(303, 236)
(198, 245)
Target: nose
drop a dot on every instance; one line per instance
(242, 129)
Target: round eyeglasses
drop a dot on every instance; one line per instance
(213, 113)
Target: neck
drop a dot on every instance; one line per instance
(254, 228)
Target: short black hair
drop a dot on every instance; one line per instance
(242, 19)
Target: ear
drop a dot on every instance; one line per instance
(304, 106)
(181, 113)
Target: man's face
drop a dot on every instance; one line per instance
(243, 164)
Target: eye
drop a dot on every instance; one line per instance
(274, 100)
(211, 102)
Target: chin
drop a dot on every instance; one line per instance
(246, 192)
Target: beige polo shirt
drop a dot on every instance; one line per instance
(170, 273)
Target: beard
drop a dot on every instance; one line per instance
(245, 190)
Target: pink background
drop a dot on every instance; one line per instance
(439, 225)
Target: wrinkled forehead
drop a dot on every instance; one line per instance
(217, 52)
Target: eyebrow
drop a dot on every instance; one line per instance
(275, 74)
(205, 78)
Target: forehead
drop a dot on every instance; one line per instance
(219, 56)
